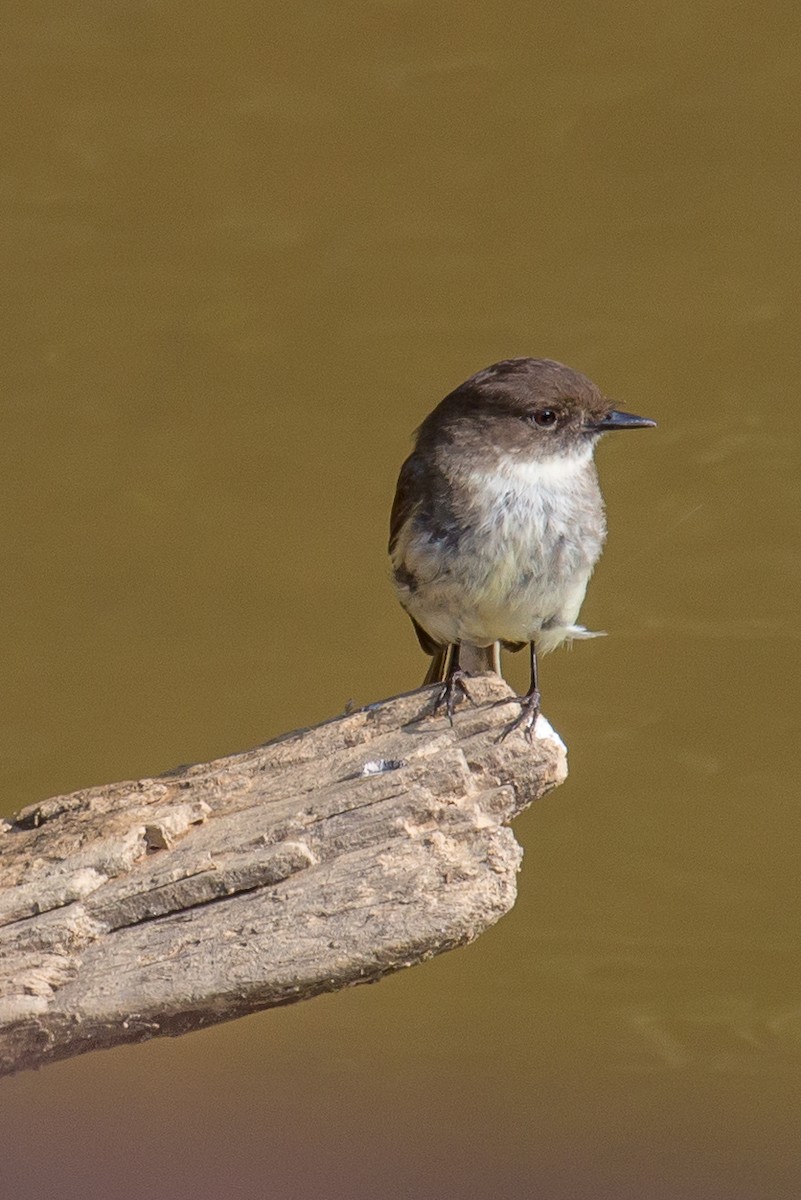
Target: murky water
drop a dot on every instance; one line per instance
(245, 250)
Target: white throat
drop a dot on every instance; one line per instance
(555, 472)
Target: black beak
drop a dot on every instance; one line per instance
(620, 420)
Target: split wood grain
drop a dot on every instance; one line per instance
(327, 858)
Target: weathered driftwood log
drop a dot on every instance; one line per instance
(327, 858)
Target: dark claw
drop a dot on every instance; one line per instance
(526, 718)
(449, 693)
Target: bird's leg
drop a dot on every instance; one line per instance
(453, 686)
(529, 705)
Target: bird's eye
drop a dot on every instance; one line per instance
(545, 418)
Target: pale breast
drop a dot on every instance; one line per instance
(530, 535)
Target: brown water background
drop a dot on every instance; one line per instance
(245, 248)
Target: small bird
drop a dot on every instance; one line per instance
(498, 520)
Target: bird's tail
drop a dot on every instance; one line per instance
(439, 665)
(474, 660)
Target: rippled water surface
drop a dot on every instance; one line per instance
(245, 249)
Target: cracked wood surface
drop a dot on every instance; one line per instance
(329, 857)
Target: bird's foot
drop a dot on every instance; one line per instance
(526, 718)
(450, 692)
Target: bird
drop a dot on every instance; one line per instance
(498, 521)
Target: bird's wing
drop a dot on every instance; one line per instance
(407, 497)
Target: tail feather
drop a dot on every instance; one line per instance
(472, 659)
(439, 665)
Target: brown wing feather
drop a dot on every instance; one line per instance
(407, 497)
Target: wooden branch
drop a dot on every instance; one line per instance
(327, 858)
